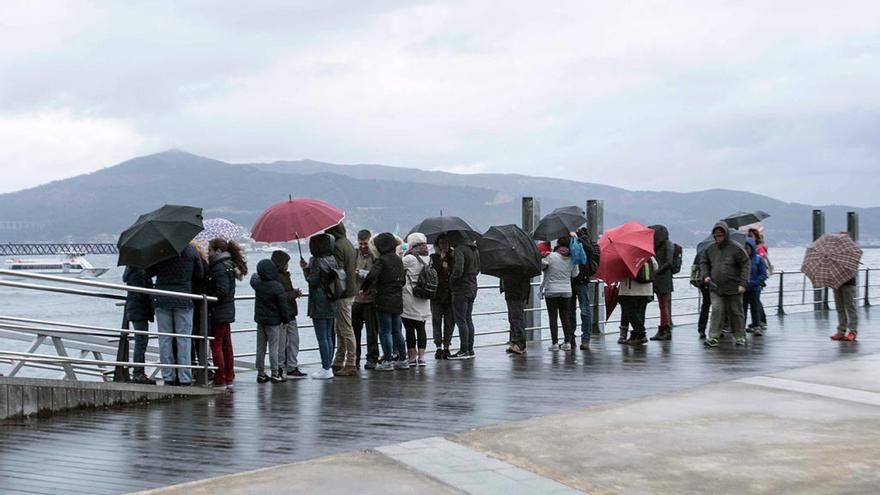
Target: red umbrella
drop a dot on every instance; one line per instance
(611, 294)
(296, 218)
(624, 249)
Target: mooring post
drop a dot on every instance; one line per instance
(531, 214)
(820, 296)
(852, 228)
(780, 304)
(596, 226)
(867, 287)
(203, 326)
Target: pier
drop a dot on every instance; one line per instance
(48, 249)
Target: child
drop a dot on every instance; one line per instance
(288, 338)
(270, 313)
(757, 276)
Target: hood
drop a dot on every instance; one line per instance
(661, 234)
(321, 245)
(385, 243)
(267, 270)
(280, 258)
(218, 258)
(416, 238)
(724, 227)
(754, 245)
(337, 231)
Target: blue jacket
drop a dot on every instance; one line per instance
(177, 274)
(757, 270)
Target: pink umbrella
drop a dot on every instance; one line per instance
(625, 249)
(296, 218)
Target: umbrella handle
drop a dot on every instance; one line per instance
(299, 246)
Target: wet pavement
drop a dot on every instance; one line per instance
(147, 446)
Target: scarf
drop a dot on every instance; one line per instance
(417, 250)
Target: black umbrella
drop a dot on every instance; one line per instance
(559, 223)
(740, 218)
(434, 226)
(733, 235)
(159, 235)
(507, 248)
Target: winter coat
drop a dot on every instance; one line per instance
(346, 258)
(591, 249)
(223, 288)
(444, 287)
(558, 272)
(138, 307)
(280, 258)
(318, 275)
(757, 269)
(270, 305)
(515, 287)
(177, 274)
(727, 264)
(364, 264)
(414, 308)
(465, 268)
(388, 275)
(629, 286)
(664, 252)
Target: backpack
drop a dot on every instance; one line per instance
(426, 285)
(677, 256)
(646, 273)
(334, 284)
(696, 278)
(593, 256)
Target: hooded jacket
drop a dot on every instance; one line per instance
(757, 268)
(346, 258)
(270, 304)
(444, 287)
(318, 273)
(138, 307)
(591, 249)
(558, 272)
(664, 252)
(465, 268)
(388, 276)
(177, 274)
(364, 264)
(415, 308)
(727, 264)
(631, 287)
(280, 258)
(222, 271)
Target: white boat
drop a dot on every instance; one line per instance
(72, 265)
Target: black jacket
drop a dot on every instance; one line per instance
(727, 264)
(664, 252)
(515, 287)
(388, 274)
(177, 274)
(584, 271)
(318, 274)
(444, 289)
(222, 287)
(465, 268)
(138, 307)
(281, 258)
(270, 305)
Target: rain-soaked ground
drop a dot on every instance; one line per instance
(138, 447)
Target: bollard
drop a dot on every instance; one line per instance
(780, 305)
(531, 214)
(596, 225)
(867, 287)
(820, 296)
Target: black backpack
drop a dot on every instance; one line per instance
(646, 273)
(677, 258)
(334, 284)
(426, 285)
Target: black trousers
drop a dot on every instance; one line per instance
(705, 306)
(415, 334)
(558, 309)
(364, 314)
(442, 323)
(633, 310)
(516, 316)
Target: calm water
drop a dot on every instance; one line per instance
(75, 309)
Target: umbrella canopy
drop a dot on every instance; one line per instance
(831, 260)
(740, 218)
(296, 218)
(733, 235)
(159, 235)
(559, 223)
(220, 227)
(624, 249)
(746, 228)
(507, 248)
(612, 292)
(434, 226)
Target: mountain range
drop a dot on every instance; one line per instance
(99, 205)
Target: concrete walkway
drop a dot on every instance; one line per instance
(807, 430)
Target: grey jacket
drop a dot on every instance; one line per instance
(346, 258)
(558, 272)
(727, 264)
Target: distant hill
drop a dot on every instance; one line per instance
(99, 205)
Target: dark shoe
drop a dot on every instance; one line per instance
(459, 356)
(262, 378)
(277, 378)
(702, 334)
(438, 354)
(636, 341)
(663, 333)
(347, 371)
(446, 354)
(142, 379)
(624, 332)
(370, 365)
(336, 368)
(296, 374)
(585, 345)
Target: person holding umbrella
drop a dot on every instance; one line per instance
(725, 268)
(288, 337)
(388, 275)
(556, 286)
(319, 273)
(833, 261)
(465, 268)
(442, 317)
(634, 295)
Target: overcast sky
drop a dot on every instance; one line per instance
(781, 98)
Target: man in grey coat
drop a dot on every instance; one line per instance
(725, 266)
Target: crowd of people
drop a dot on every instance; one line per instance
(386, 290)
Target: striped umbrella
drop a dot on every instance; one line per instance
(219, 227)
(831, 260)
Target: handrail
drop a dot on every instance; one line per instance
(48, 358)
(97, 331)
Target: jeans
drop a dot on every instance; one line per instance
(140, 343)
(179, 321)
(345, 341)
(558, 306)
(752, 305)
(288, 346)
(633, 311)
(324, 335)
(390, 335)
(443, 323)
(415, 334)
(463, 309)
(845, 304)
(267, 336)
(516, 317)
(581, 297)
(730, 308)
(221, 349)
(364, 314)
(705, 306)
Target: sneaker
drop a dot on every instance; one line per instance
(401, 365)
(438, 354)
(750, 329)
(277, 378)
(515, 350)
(741, 340)
(838, 336)
(764, 325)
(637, 341)
(230, 387)
(702, 335)
(459, 355)
(324, 374)
(142, 379)
(347, 371)
(413, 363)
(335, 367)
(447, 353)
(296, 374)
(565, 347)
(711, 342)
(553, 347)
(370, 365)
(262, 378)
(850, 337)
(585, 345)
(471, 355)
(385, 366)
(758, 332)
(422, 363)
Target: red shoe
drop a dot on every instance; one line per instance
(838, 336)
(850, 337)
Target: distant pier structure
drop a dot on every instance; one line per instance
(38, 249)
